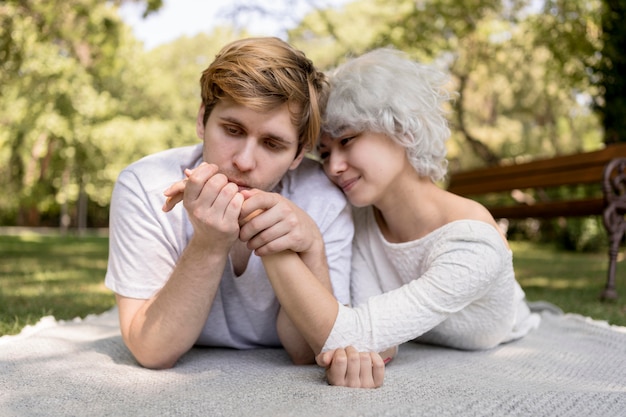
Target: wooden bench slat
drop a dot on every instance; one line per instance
(551, 165)
(583, 168)
(531, 179)
(576, 208)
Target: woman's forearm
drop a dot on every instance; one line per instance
(308, 302)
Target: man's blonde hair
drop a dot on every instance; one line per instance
(263, 74)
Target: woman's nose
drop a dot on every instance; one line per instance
(335, 164)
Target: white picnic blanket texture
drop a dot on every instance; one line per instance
(569, 366)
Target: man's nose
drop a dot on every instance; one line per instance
(245, 157)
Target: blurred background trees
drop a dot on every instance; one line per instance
(81, 98)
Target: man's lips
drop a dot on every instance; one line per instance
(240, 184)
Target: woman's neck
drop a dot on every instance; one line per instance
(409, 211)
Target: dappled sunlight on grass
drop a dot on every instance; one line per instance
(64, 277)
(556, 283)
(51, 275)
(571, 280)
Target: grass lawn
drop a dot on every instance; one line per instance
(44, 275)
(63, 276)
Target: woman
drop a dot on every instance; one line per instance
(428, 265)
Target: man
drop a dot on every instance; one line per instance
(190, 273)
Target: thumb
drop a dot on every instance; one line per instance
(324, 359)
(249, 192)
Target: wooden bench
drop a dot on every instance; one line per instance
(606, 168)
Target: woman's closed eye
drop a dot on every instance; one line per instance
(346, 140)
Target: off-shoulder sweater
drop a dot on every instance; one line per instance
(454, 287)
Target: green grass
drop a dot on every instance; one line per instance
(571, 280)
(51, 275)
(63, 276)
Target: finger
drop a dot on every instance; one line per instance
(324, 358)
(175, 192)
(176, 188)
(255, 200)
(366, 371)
(353, 373)
(250, 216)
(336, 372)
(225, 203)
(234, 208)
(253, 227)
(378, 369)
(179, 186)
(204, 175)
(171, 202)
(266, 235)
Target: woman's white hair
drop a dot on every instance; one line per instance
(384, 91)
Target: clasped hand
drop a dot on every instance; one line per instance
(350, 368)
(220, 212)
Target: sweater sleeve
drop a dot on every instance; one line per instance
(461, 270)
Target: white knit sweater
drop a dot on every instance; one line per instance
(454, 287)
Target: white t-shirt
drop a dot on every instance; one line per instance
(454, 287)
(145, 244)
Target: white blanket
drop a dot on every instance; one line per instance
(570, 366)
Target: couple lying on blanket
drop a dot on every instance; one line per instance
(338, 258)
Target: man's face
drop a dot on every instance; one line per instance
(253, 149)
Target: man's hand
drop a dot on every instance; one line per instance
(270, 223)
(212, 203)
(350, 368)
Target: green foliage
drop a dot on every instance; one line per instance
(58, 57)
(81, 98)
(522, 72)
(584, 235)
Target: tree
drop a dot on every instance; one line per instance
(523, 87)
(55, 59)
(610, 70)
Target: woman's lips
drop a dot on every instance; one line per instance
(348, 185)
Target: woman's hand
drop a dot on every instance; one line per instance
(350, 368)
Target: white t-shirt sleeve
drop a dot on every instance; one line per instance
(142, 247)
(338, 243)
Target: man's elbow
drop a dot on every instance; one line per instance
(156, 365)
(154, 361)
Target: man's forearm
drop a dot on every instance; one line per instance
(165, 327)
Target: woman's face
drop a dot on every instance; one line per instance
(363, 164)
